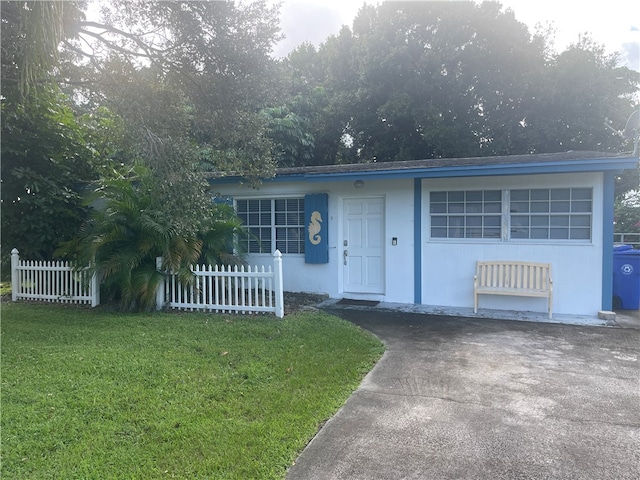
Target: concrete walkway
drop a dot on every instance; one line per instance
(461, 398)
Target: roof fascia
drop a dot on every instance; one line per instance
(572, 166)
(616, 164)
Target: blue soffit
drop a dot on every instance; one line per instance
(565, 162)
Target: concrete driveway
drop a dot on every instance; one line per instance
(456, 398)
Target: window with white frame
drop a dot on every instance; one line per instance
(273, 224)
(524, 214)
(466, 214)
(551, 213)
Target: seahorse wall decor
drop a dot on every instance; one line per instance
(314, 228)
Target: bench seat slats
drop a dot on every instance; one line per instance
(515, 278)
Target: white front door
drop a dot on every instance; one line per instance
(362, 246)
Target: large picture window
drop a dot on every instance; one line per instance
(466, 214)
(551, 214)
(273, 224)
(519, 214)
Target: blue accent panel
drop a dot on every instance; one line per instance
(608, 197)
(417, 241)
(316, 220)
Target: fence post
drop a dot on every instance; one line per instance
(277, 271)
(94, 285)
(15, 277)
(160, 294)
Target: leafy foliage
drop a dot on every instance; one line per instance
(627, 214)
(198, 81)
(419, 80)
(290, 129)
(130, 227)
(45, 162)
(31, 34)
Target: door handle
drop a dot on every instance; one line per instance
(344, 256)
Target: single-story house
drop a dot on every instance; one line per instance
(411, 232)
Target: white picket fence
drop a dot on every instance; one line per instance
(52, 281)
(215, 289)
(227, 289)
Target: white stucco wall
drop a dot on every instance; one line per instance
(327, 278)
(449, 265)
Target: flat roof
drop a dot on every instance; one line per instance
(564, 162)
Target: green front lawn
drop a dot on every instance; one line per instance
(96, 395)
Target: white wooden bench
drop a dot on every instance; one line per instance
(513, 278)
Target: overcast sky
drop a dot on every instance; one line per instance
(614, 23)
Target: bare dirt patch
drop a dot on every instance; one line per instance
(297, 301)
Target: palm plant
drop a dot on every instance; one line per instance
(129, 230)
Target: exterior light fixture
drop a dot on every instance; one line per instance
(358, 184)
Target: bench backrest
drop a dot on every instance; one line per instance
(519, 275)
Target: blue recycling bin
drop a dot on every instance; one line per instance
(626, 277)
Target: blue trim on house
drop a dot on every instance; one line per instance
(417, 241)
(608, 198)
(573, 166)
(605, 164)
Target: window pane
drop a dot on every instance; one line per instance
(439, 221)
(539, 207)
(439, 232)
(456, 197)
(438, 197)
(456, 208)
(542, 221)
(491, 232)
(580, 221)
(492, 221)
(560, 221)
(474, 196)
(520, 207)
(539, 233)
(581, 194)
(438, 208)
(292, 218)
(559, 233)
(560, 207)
(581, 206)
(517, 195)
(474, 207)
(520, 221)
(493, 196)
(457, 232)
(474, 232)
(475, 221)
(580, 233)
(493, 207)
(560, 194)
(540, 194)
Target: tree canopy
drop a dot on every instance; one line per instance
(420, 80)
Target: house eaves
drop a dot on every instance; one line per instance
(566, 162)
